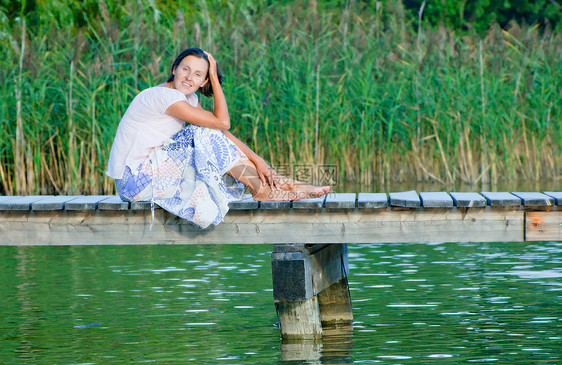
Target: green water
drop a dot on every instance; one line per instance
(413, 303)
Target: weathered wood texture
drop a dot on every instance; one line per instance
(340, 201)
(544, 226)
(557, 195)
(4, 198)
(275, 205)
(299, 319)
(262, 226)
(141, 205)
(21, 202)
(247, 203)
(113, 203)
(90, 202)
(335, 304)
(311, 279)
(535, 199)
(372, 200)
(365, 218)
(300, 273)
(468, 200)
(407, 199)
(436, 200)
(501, 199)
(53, 202)
(315, 203)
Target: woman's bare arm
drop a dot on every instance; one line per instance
(183, 111)
(219, 101)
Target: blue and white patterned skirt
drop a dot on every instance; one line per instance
(187, 176)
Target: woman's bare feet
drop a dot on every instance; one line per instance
(295, 192)
(289, 189)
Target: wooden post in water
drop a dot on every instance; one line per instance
(310, 288)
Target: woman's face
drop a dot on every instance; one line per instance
(190, 74)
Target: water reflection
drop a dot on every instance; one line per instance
(335, 346)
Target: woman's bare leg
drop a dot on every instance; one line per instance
(245, 172)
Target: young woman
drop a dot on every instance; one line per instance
(192, 171)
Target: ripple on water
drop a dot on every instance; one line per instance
(379, 286)
(530, 274)
(488, 359)
(196, 280)
(408, 305)
(200, 323)
(167, 269)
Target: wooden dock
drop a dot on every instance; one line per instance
(336, 218)
(310, 237)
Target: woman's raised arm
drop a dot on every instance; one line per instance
(219, 101)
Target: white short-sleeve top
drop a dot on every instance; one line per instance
(144, 126)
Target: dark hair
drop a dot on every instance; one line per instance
(206, 89)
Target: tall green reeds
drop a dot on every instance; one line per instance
(344, 84)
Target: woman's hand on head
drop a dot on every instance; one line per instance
(212, 65)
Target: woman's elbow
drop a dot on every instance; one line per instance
(224, 124)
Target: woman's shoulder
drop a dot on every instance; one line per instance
(161, 90)
(166, 95)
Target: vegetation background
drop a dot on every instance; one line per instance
(387, 91)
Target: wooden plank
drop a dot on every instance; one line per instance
(468, 200)
(89, 202)
(407, 199)
(53, 203)
(21, 202)
(436, 200)
(557, 195)
(275, 205)
(535, 199)
(501, 199)
(543, 226)
(340, 201)
(372, 200)
(264, 227)
(113, 202)
(142, 206)
(247, 203)
(314, 203)
(5, 198)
